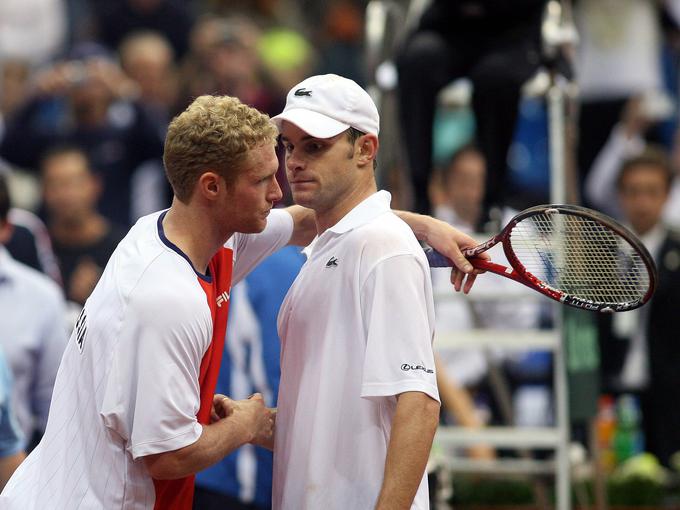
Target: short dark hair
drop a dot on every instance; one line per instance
(654, 156)
(353, 134)
(4, 198)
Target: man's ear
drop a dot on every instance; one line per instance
(209, 185)
(368, 149)
(6, 230)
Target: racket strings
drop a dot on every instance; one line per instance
(581, 257)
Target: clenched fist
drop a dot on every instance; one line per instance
(251, 414)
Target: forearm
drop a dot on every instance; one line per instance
(216, 441)
(415, 422)
(304, 225)
(417, 222)
(441, 236)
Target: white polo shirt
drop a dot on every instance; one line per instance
(128, 385)
(356, 330)
(33, 335)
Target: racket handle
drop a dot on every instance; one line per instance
(436, 259)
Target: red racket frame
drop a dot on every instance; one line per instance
(520, 274)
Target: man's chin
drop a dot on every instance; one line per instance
(254, 228)
(302, 199)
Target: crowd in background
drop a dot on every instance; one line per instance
(87, 88)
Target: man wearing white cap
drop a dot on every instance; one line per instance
(358, 401)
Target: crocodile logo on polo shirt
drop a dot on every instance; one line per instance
(332, 262)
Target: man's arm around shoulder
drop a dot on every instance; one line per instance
(304, 225)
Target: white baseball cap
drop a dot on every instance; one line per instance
(326, 105)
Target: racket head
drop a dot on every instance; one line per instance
(579, 257)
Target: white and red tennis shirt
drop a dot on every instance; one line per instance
(138, 375)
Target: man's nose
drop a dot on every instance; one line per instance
(276, 193)
(293, 161)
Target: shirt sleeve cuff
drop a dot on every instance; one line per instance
(289, 222)
(374, 390)
(181, 440)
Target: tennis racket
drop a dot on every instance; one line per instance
(571, 254)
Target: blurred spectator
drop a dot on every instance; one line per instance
(243, 480)
(224, 60)
(87, 101)
(287, 57)
(458, 200)
(32, 31)
(639, 350)
(81, 23)
(83, 239)
(148, 59)
(11, 439)
(459, 404)
(268, 14)
(116, 19)
(619, 57)
(627, 140)
(14, 75)
(33, 333)
(194, 74)
(494, 43)
(29, 243)
(340, 40)
(457, 193)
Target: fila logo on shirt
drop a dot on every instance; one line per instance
(332, 262)
(222, 298)
(406, 368)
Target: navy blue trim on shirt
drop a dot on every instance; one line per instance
(161, 233)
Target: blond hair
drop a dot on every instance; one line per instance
(215, 133)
